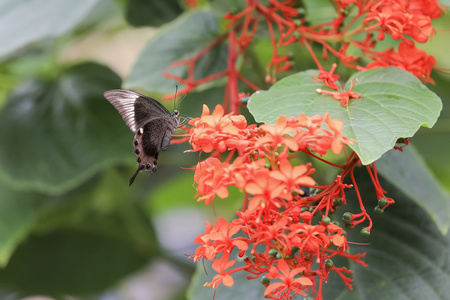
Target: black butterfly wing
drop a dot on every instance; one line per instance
(149, 140)
(136, 109)
(149, 120)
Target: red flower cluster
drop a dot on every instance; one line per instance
(275, 226)
(218, 132)
(408, 58)
(400, 18)
(288, 24)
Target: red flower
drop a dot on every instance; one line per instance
(399, 18)
(309, 238)
(345, 96)
(293, 177)
(209, 131)
(264, 190)
(289, 281)
(275, 135)
(338, 140)
(328, 78)
(220, 265)
(213, 178)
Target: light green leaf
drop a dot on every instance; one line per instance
(393, 104)
(26, 21)
(182, 39)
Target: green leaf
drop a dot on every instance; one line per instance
(152, 13)
(393, 104)
(409, 174)
(70, 262)
(408, 257)
(181, 39)
(18, 213)
(433, 144)
(98, 231)
(55, 135)
(23, 22)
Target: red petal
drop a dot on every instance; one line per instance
(228, 280)
(273, 287)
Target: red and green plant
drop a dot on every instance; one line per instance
(310, 170)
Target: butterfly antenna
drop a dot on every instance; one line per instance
(175, 99)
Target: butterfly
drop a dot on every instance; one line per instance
(151, 123)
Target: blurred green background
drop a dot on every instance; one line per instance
(70, 227)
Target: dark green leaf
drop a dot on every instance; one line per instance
(152, 12)
(83, 242)
(70, 262)
(182, 39)
(408, 257)
(394, 104)
(18, 213)
(55, 135)
(23, 22)
(408, 173)
(434, 144)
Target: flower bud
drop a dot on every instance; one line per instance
(347, 216)
(382, 202)
(365, 232)
(326, 220)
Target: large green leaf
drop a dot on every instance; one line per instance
(408, 257)
(82, 242)
(393, 104)
(181, 39)
(152, 13)
(434, 144)
(54, 135)
(408, 173)
(23, 22)
(70, 262)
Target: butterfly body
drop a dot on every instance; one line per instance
(151, 122)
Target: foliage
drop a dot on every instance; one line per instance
(354, 77)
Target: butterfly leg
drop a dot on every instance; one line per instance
(140, 168)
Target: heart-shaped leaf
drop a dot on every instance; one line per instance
(182, 39)
(54, 135)
(393, 104)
